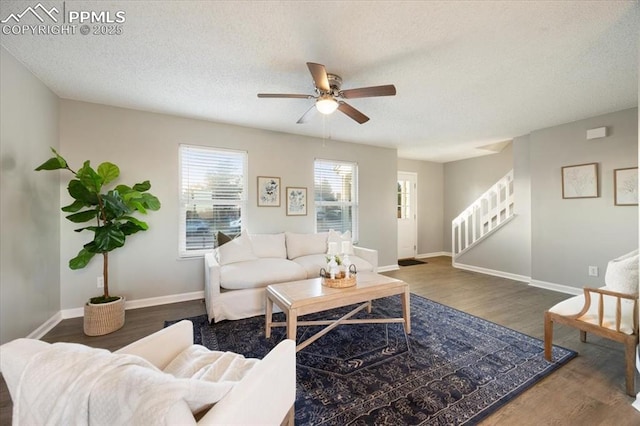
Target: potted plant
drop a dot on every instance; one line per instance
(111, 211)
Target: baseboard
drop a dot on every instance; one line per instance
(72, 313)
(493, 272)
(388, 268)
(164, 300)
(141, 303)
(46, 327)
(556, 287)
(534, 283)
(434, 254)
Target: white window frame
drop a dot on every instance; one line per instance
(184, 203)
(354, 203)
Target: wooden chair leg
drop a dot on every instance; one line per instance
(629, 355)
(548, 336)
(583, 336)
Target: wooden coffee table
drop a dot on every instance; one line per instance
(297, 298)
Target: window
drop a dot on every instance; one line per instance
(212, 196)
(336, 196)
(404, 199)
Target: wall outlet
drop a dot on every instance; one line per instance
(100, 282)
(593, 271)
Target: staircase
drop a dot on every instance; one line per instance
(484, 216)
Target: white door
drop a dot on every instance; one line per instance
(407, 215)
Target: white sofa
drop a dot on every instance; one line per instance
(264, 396)
(237, 273)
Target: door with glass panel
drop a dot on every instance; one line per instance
(407, 215)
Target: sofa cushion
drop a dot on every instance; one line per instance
(237, 250)
(314, 262)
(622, 273)
(259, 273)
(201, 363)
(269, 245)
(305, 244)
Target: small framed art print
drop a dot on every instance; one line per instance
(268, 191)
(580, 181)
(296, 201)
(625, 186)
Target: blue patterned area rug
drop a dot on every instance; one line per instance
(453, 369)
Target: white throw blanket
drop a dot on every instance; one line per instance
(73, 384)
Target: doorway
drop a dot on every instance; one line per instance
(407, 215)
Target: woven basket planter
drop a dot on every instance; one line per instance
(103, 318)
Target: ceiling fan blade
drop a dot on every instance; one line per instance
(353, 113)
(283, 95)
(311, 112)
(319, 74)
(367, 92)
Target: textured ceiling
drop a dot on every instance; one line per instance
(468, 74)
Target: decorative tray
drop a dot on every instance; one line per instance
(340, 280)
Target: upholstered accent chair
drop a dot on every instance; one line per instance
(610, 312)
(264, 390)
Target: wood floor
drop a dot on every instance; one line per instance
(589, 390)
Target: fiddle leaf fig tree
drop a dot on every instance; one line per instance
(110, 210)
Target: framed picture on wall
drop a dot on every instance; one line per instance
(296, 201)
(625, 186)
(268, 191)
(580, 181)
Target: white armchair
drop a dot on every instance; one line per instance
(264, 396)
(610, 312)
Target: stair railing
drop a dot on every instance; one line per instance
(484, 216)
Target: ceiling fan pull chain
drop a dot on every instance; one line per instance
(324, 131)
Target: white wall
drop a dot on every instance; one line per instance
(466, 180)
(145, 146)
(29, 202)
(552, 240)
(568, 235)
(509, 250)
(430, 203)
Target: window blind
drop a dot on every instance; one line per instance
(336, 196)
(212, 196)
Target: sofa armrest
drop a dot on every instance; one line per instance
(211, 284)
(370, 255)
(264, 396)
(211, 274)
(14, 356)
(161, 347)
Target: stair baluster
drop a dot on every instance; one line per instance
(484, 216)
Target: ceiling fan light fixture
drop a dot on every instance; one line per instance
(326, 104)
(329, 96)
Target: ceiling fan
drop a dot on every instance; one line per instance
(329, 96)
